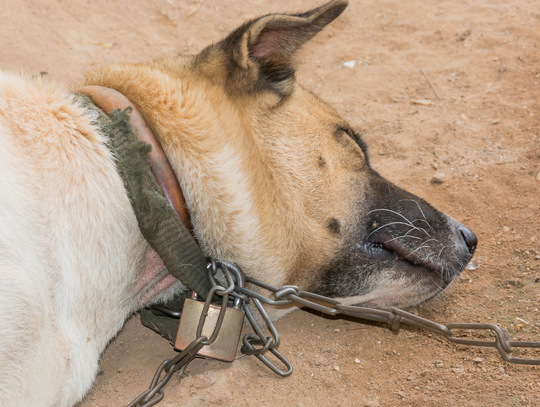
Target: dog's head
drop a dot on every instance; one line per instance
(322, 217)
(278, 183)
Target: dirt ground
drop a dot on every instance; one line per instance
(483, 58)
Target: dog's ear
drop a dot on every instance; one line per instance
(261, 50)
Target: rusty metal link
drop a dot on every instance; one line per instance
(394, 318)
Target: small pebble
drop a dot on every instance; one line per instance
(356, 360)
(506, 229)
(473, 264)
(409, 378)
(336, 330)
(438, 178)
(372, 403)
(336, 368)
(423, 102)
(349, 64)
(206, 380)
(478, 360)
(400, 394)
(516, 283)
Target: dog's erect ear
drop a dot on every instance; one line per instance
(261, 50)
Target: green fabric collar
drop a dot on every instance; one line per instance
(159, 224)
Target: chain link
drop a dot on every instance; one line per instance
(394, 318)
(258, 344)
(155, 394)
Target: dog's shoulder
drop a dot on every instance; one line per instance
(32, 107)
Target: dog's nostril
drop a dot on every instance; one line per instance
(469, 237)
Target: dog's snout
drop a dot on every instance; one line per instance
(468, 237)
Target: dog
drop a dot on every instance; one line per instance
(274, 180)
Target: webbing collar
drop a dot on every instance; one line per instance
(151, 184)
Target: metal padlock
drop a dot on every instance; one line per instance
(225, 346)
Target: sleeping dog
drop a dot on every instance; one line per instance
(274, 180)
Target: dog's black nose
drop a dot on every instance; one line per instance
(469, 238)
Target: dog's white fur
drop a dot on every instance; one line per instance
(70, 250)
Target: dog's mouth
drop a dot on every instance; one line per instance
(385, 248)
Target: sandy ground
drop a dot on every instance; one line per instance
(483, 57)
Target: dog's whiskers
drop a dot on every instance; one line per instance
(393, 223)
(404, 236)
(417, 204)
(422, 245)
(422, 220)
(402, 216)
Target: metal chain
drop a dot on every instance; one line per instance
(291, 295)
(155, 394)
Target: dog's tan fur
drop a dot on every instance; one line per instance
(271, 178)
(215, 143)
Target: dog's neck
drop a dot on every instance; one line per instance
(135, 146)
(228, 184)
(108, 100)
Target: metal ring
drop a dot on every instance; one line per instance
(250, 340)
(285, 291)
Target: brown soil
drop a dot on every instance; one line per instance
(483, 57)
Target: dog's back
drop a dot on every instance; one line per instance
(54, 167)
(27, 320)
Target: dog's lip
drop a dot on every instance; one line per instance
(383, 247)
